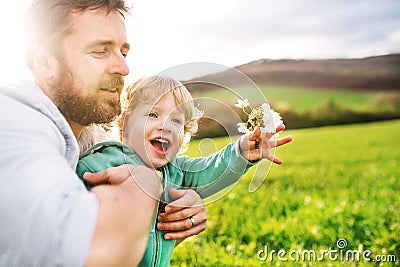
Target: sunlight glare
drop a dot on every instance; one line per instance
(12, 48)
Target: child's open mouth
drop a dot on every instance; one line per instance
(160, 145)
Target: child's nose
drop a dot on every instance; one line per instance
(165, 125)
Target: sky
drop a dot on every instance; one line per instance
(165, 34)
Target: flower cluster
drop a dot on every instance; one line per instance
(263, 116)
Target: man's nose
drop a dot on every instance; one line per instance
(118, 65)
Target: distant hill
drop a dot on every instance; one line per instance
(377, 72)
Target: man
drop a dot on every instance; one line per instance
(77, 55)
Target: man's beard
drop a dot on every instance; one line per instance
(84, 110)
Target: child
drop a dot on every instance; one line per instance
(159, 116)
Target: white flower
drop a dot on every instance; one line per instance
(271, 119)
(242, 128)
(264, 117)
(242, 103)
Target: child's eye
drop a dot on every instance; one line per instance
(177, 121)
(152, 115)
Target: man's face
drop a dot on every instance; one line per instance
(91, 67)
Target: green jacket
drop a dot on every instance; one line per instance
(206, 175)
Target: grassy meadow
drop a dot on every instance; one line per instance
(301, 107)
(339, 182)
(294, 97)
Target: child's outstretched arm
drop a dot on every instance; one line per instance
(253, 151)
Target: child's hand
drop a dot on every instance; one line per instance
(253, 151)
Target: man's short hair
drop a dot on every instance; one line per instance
(46, 21)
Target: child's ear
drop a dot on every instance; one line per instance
(121, 133)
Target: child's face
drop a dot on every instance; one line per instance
(155, 132)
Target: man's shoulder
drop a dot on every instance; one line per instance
(28, 116)
(15, 110)
(24, 106)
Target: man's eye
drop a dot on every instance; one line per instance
(99, 53)
(152, 115)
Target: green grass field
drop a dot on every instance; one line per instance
(302, 99)
(356, 100)
(336, 182)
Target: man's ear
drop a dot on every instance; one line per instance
(45, 64)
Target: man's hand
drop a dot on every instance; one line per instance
(251, 151)
(186, 215)
(143, 176)
(114, 175)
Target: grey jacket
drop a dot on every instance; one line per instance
(47, 216)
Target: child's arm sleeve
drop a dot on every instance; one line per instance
(209, 175)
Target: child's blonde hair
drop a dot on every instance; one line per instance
(151, 89)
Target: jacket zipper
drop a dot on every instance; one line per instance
(161, 206)
(156, 234)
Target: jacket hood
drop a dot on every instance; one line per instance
(31, 95)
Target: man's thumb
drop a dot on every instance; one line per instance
(175, 193)
(95, 178)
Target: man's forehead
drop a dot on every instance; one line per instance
(98, 24)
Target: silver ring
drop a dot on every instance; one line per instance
(192, 220)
